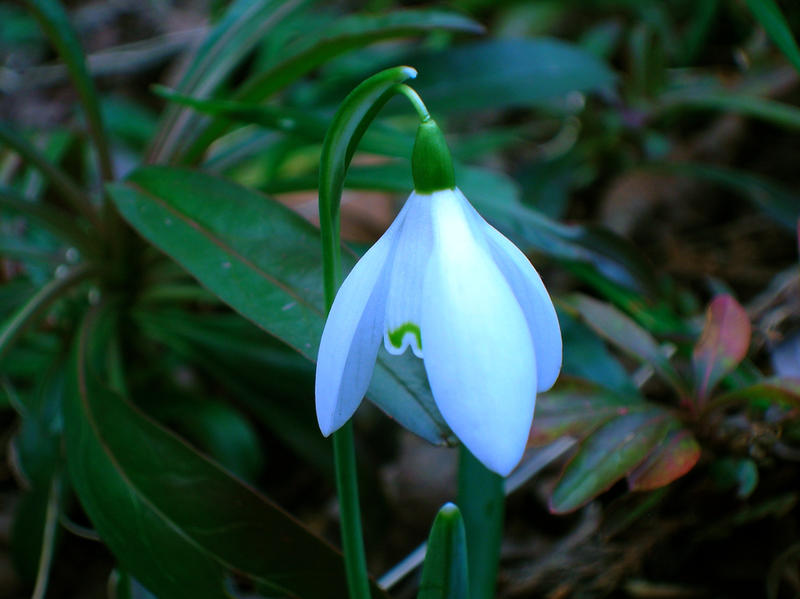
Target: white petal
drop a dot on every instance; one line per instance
(409, 264)
(479, 355)
(352, 334)
(533, 297)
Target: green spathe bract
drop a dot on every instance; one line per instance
(431, 164)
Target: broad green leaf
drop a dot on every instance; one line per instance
(264, 261)
(588, 358)
(217, 429)
(481, 495)
(671, 459)
(722, 345)
(576, 410)
(774, 23)
(625, 334)
(495, 74)
(56, 24)
(267, 377)
(245, 24)
(444, 573)
(176, 521)
(318, 47)
(607, 455)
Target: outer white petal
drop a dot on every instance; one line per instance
(409, 264)
(351, 337)
(479, 355)
(532, 296)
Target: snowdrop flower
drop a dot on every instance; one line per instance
(444, 283)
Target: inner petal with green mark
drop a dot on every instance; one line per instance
(407, 334)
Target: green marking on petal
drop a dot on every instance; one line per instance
(396, 336)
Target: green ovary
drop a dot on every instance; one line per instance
(396, 336)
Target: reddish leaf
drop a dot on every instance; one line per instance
(723, 344)
(576, 410)
(671, 459)
(607, 455)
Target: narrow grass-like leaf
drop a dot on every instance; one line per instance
(774, 23)
(722, 345)
(57, 221)
(305, 123)
(771, 111)
(175, 520)
(56, 24)
(68, 188)
(264, 261)
(606, 456)
(245, 24)
(778, 202)
(444, 573)
(41, 300)
(312, 50)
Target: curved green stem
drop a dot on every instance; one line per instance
(416, 101)
(348, 126)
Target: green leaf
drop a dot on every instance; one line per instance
(318, 47)
(783, 392)
(587, 357)
(245, 24)
(218, 429)
(481, 495)
(722, 345)
(174, 520)
(778, 113)
(62, 182)
(264, 261)
(577, 409)
(38, 461)
(444, 573)
(495, 74)
(34, 307)
(261, 373)
(606, 456)
(56, 24)
(674, 457)
(625, 334)
(57, 221)
(772, 20)
(779, 203)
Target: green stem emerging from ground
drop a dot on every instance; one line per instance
(344, 457)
